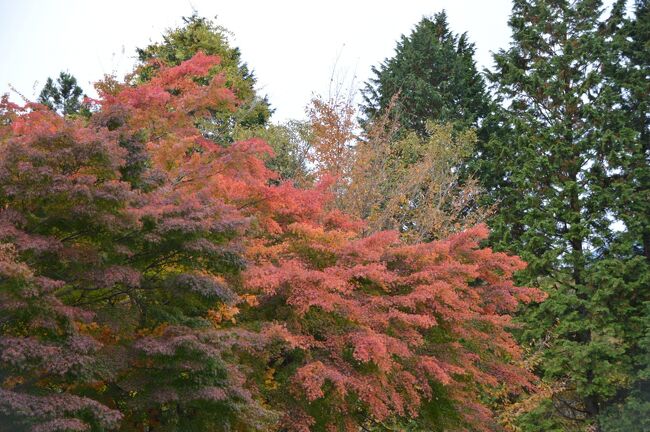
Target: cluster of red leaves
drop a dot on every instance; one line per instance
(137, 199)
(130, 210)
(390, 300)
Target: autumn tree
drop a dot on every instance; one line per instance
(423, 113)
(155, 280)
(380, 333)
(413, 184)
(332, 122)
(251, 118)
(112, 275)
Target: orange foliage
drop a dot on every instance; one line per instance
(377, 322)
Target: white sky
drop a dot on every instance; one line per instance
(292, 46)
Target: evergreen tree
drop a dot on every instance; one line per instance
(631, 73)
(62, 96)
(201, 34)
(558, 166)
(434, 73)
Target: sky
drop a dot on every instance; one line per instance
(294, 47)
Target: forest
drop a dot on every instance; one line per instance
(461, 250)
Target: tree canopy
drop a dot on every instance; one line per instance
(152, 279)
(568, 168)
(434, 74)
(460, 258)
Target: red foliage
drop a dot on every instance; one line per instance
(390, 300)
(136, 208)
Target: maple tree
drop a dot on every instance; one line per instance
(115, 258)
(154, 280)
(376, 328)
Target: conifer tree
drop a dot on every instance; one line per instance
(62, 96)
(558, 168)
(434, 73)
(630, 409)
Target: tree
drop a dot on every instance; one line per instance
(413, 184)
(555, 168)
(200, 34)
(154, 280)
(630, 70)
(380, 333)
(109, 282)
(434, 73)
(64, 96)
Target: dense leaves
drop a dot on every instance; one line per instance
(152, 280)
(171, 261)
(111, 276)
(377, 329)
(434, 73)
(569, 170)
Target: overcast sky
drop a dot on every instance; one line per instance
(292, 46)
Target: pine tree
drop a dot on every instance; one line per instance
(434, 73)
(64, 96)
(557, 168)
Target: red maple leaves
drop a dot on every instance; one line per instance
(352, 329)
(387, 300)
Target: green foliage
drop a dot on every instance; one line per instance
(631, 415)
(568, 168)
(543, 418)
(434, 75)
(62, 96)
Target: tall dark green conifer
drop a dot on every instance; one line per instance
(630, 409)
(559, 166)
(434, 72)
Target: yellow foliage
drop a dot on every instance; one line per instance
(12, 381)
(269, 379)
(223, 313)
(251, 299)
